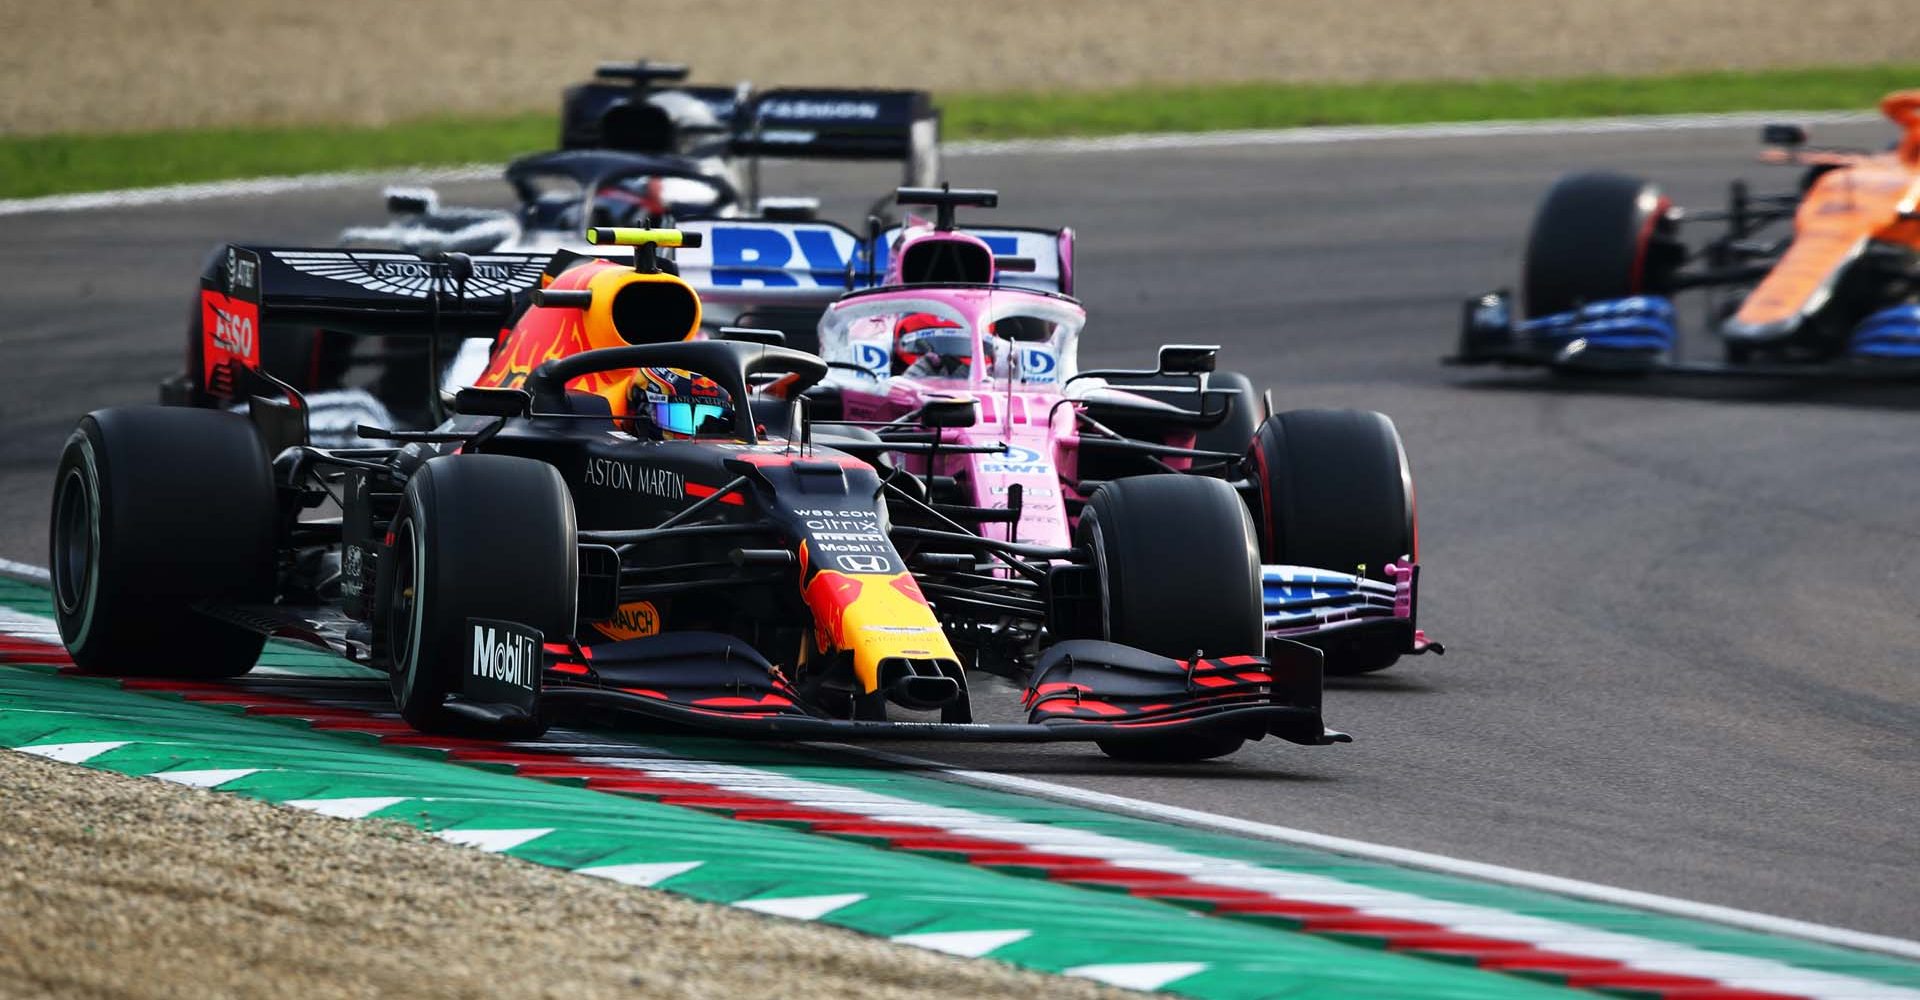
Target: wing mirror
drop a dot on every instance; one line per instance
(1778, 134)
(1188, 359)
(752, 335)
(406, 201)
(489, 401)
(950, 412)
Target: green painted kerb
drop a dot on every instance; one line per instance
(739, 862)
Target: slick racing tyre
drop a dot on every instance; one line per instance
(156, 510)
(1598, 236)
(1333, 492)
(1179, 574)
(478, 536)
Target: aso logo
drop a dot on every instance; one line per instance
(633, 621)
(233, 334)
(872, 357)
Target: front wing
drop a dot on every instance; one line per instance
(1083, 690)
(1331, 610)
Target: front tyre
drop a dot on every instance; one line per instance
(479, 536)
(1179, 574)
(1334, 492)
(157, 511)
(1598, 236)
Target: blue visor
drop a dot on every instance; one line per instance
(680, 417)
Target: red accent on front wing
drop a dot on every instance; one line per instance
(765, 700)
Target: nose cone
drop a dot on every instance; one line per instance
(879, 618)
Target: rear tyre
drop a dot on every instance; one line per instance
(479, 536)
(1180, 574)
(1334, 492)
(1598, 236)
(155, 510)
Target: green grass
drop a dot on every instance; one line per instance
(1202, 109)
(53, 164)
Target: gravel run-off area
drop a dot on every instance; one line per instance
(109, 65)
(131, 888)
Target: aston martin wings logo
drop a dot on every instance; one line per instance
(409, 276)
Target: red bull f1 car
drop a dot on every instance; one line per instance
(1835, 295)
(620, 516)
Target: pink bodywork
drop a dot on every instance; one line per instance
(1016, 405)
(1024, 407)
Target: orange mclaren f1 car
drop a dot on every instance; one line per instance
(1838, 293)
(619, 516)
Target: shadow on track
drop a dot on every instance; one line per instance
(1862, 393)
(1385, 683)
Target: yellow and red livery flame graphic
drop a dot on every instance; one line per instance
(545, 333)
(876, 617)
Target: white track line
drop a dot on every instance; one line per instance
(1482, 871)
(252, 187)
(25, 571)
(1137, 142)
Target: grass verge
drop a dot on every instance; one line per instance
(55, 164)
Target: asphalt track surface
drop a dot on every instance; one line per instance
(1681, 614)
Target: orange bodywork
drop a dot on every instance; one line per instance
(547, 332)
(1868, 198)
(874, 616)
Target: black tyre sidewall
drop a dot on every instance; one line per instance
(1333, 491)
(493, 537)
(1180, 574)
(1589, 242)
(1179, 567)
(182, 510)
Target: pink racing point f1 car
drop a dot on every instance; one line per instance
(956, 368)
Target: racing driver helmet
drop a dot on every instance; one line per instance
(909, 345)
(673, 403)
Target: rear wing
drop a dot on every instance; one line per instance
(843, 124)
(754, 262)
(380, 292)
(251, 292)
(814, 123)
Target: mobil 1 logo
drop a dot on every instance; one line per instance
(503, 661)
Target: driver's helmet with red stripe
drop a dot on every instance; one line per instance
(906, 349)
